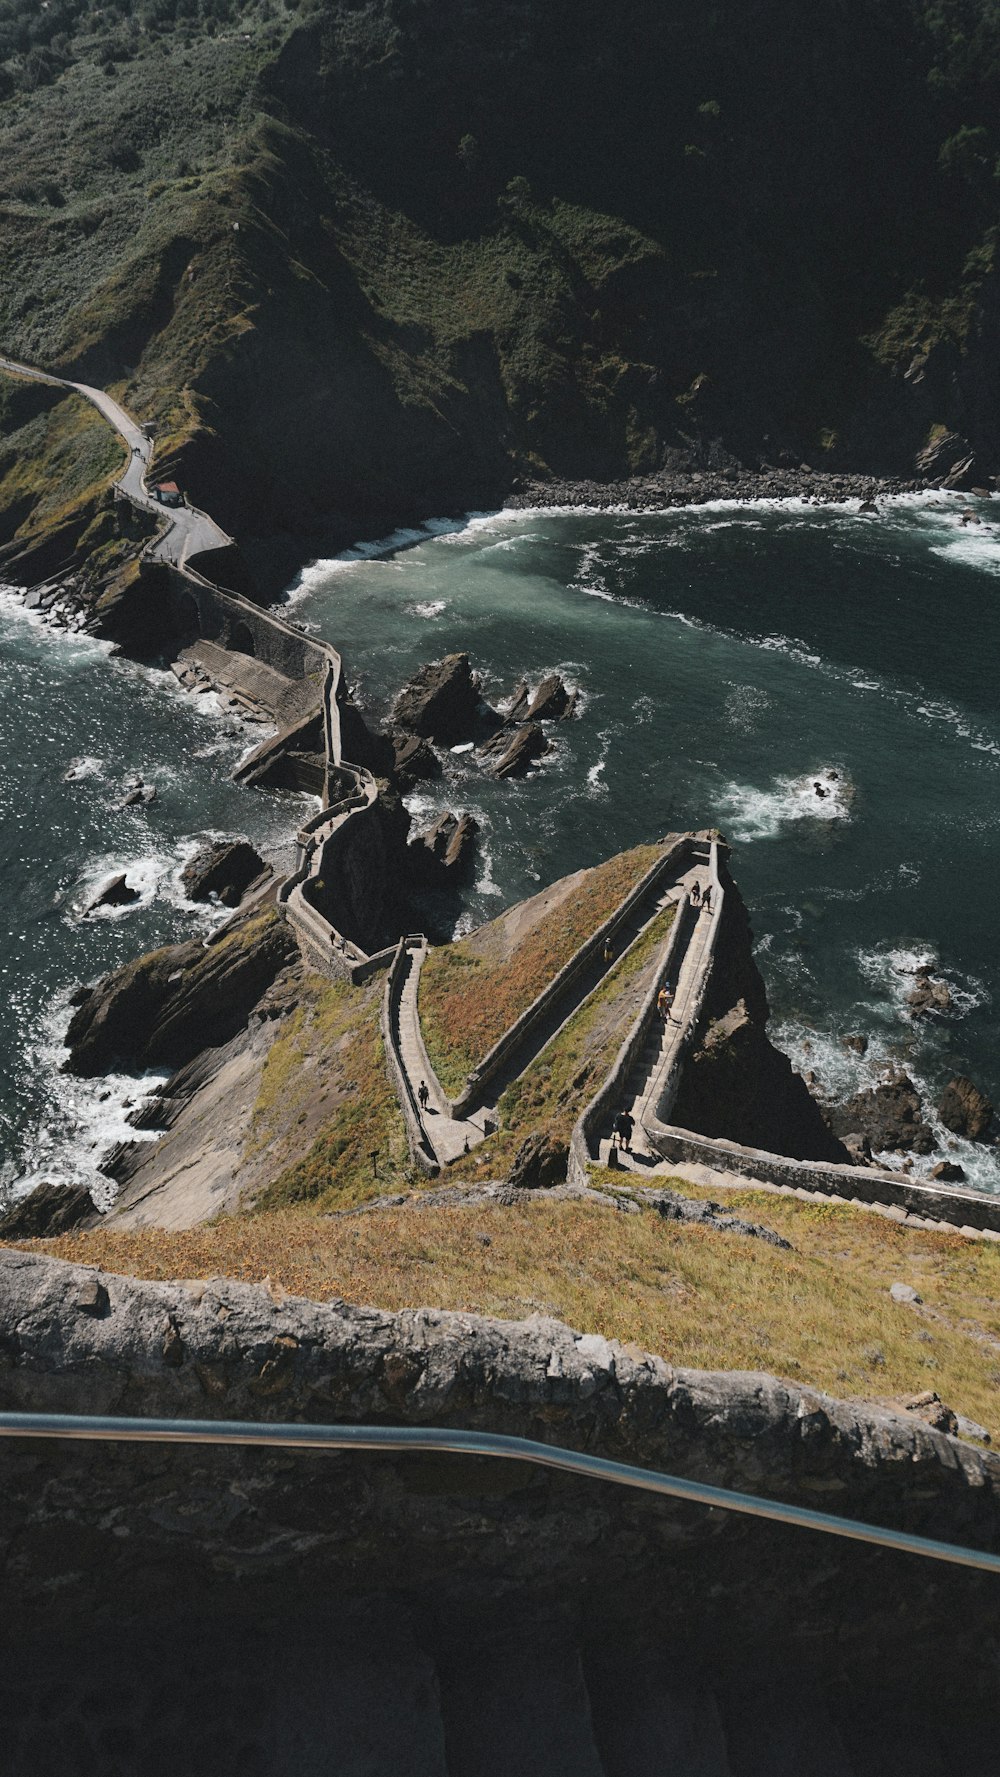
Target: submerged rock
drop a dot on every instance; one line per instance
(947, 1172)
(965, 1110)
(226, 868)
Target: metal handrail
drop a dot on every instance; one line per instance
(468, 1443)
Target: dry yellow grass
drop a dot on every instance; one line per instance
(820, 1314)
(472, 991)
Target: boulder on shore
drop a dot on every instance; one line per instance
(226, 868)
(889, 1116)
(440, 702)
(965, 1110)
(48, 1209)
(116, 892)
(948, 1172)
(517, 751)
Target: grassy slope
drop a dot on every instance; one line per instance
(820, 1313)
(326, 1075)
(58, 458)
(472, 991)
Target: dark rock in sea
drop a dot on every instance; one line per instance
(929, 997)
(413, 760)
(168, 1005)
(889, 1115)
(449, 844)
(48, 1209)
(516, 752)
(948, 460)
(948, 1172)
(116, 892)
(549, 703)
(540, 1162)
(965, 1110)
(857, 1044)
(441, 702)
(226, 868)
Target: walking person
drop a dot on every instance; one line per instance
(423, 1093)
(665, 1002)
(624, 1125)
(706, 899)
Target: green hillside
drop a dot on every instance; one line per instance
(357, 260)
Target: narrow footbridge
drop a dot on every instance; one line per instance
(184, 534)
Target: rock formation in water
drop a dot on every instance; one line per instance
(441, 702)
(225, 868)
(736, 1084)
(888, 1115)
(171, 1003)
(965, 1110)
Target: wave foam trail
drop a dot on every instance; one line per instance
(750, 813)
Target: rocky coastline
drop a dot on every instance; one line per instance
(731, 480)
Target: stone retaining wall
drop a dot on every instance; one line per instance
(481, 1075)
(420, 1152)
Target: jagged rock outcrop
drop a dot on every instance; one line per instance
(540, 1161)
(929, 996)
(515, 751)
(551, 701)
(965, 1110)
(440, 702)
(116, 892)
(735, 1084)
(446, 850)
(413, 760)
(226, 868)
(48, 1209)
(166, 1006)
(889, 1115)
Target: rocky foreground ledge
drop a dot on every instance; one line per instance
(89, 1532)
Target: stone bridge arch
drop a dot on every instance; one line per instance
(241, 640)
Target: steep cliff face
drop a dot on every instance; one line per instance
(735, 1084)
(363, 263)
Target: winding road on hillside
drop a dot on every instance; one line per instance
(188, 532)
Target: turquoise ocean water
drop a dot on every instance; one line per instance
(728, 658)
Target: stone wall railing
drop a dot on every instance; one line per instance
(543, 1004)
(420, 1151)
(609, 1096)
(663, 1089)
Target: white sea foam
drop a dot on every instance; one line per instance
(79, 769)
(429, 608)
(750, 813)
(893, 969)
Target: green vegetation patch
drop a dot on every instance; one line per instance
(472, 991)
(327, 1072)
(57, 458)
